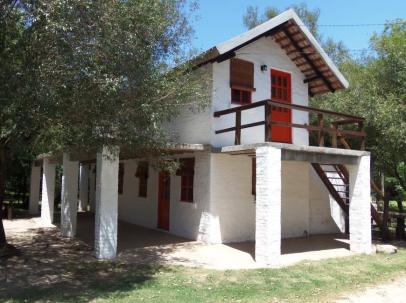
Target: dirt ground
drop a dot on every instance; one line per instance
(48, 259)
(391, 292)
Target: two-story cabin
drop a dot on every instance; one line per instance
(248, 170)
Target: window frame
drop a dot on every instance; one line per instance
(186, 172)
(142, 175)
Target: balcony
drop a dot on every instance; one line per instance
(326, 129)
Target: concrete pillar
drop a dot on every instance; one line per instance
(360, 206)
(268, 206)
(106, 204)
(92, 190)
(84, 187)
(34, 189)
(69, 197)
(48, 192)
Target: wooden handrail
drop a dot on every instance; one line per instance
(238, 108)
(314, 110)
(320, 128)
(285, 105)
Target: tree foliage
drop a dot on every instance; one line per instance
(78, 75)
(378, 93)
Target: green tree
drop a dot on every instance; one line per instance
(378, 92)
(97, 73)
(18, 110)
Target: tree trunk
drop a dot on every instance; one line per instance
(3, 240)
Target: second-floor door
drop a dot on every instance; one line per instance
(281, 90)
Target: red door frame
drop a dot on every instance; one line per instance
(283, 93)
(164, 192)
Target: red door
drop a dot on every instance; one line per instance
(281, 90)
(164, 200)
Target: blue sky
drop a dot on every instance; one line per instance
(219, 20)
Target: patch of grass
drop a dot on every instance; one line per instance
(306, 282)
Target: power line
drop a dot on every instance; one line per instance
(359, 24)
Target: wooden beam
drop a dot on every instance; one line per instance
(310, 62)
(307, 80)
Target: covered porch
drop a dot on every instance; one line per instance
(147, 246)
(295, 203)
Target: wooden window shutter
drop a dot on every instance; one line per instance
(241, 74)
(142, 169)
(187, 167)
(121, 178)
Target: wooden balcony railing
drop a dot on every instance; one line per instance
(338, 135)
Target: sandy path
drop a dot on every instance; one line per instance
(390, 292)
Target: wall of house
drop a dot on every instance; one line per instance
(223, 210)
(185, 218)
(199, 126)
(306, 206)
(262, 52)
(193, 125)
(295, 199)
(231, 197)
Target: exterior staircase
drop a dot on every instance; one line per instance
(336, 179)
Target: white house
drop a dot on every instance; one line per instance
(248, 169)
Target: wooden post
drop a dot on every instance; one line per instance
(385, 230)
(268, 120)
(320, 123)
(400, 222)
(237, 140)
(334, 135)
(362, 129)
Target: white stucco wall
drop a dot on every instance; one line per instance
(185, 218)
(199, 126)
(295, 199)
(234, 204)
(224, 208)
(263, 51)
(231, 197)
(194, 125)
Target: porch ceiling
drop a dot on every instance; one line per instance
(125, 153)
(290, 152)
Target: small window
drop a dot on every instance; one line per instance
(142, 175)
(121, 178)
(186, 171)
(240, 96)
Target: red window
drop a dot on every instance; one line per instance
(241, 81)
(142, 174)
(121, 178)
(186, 171)
(281, 86)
